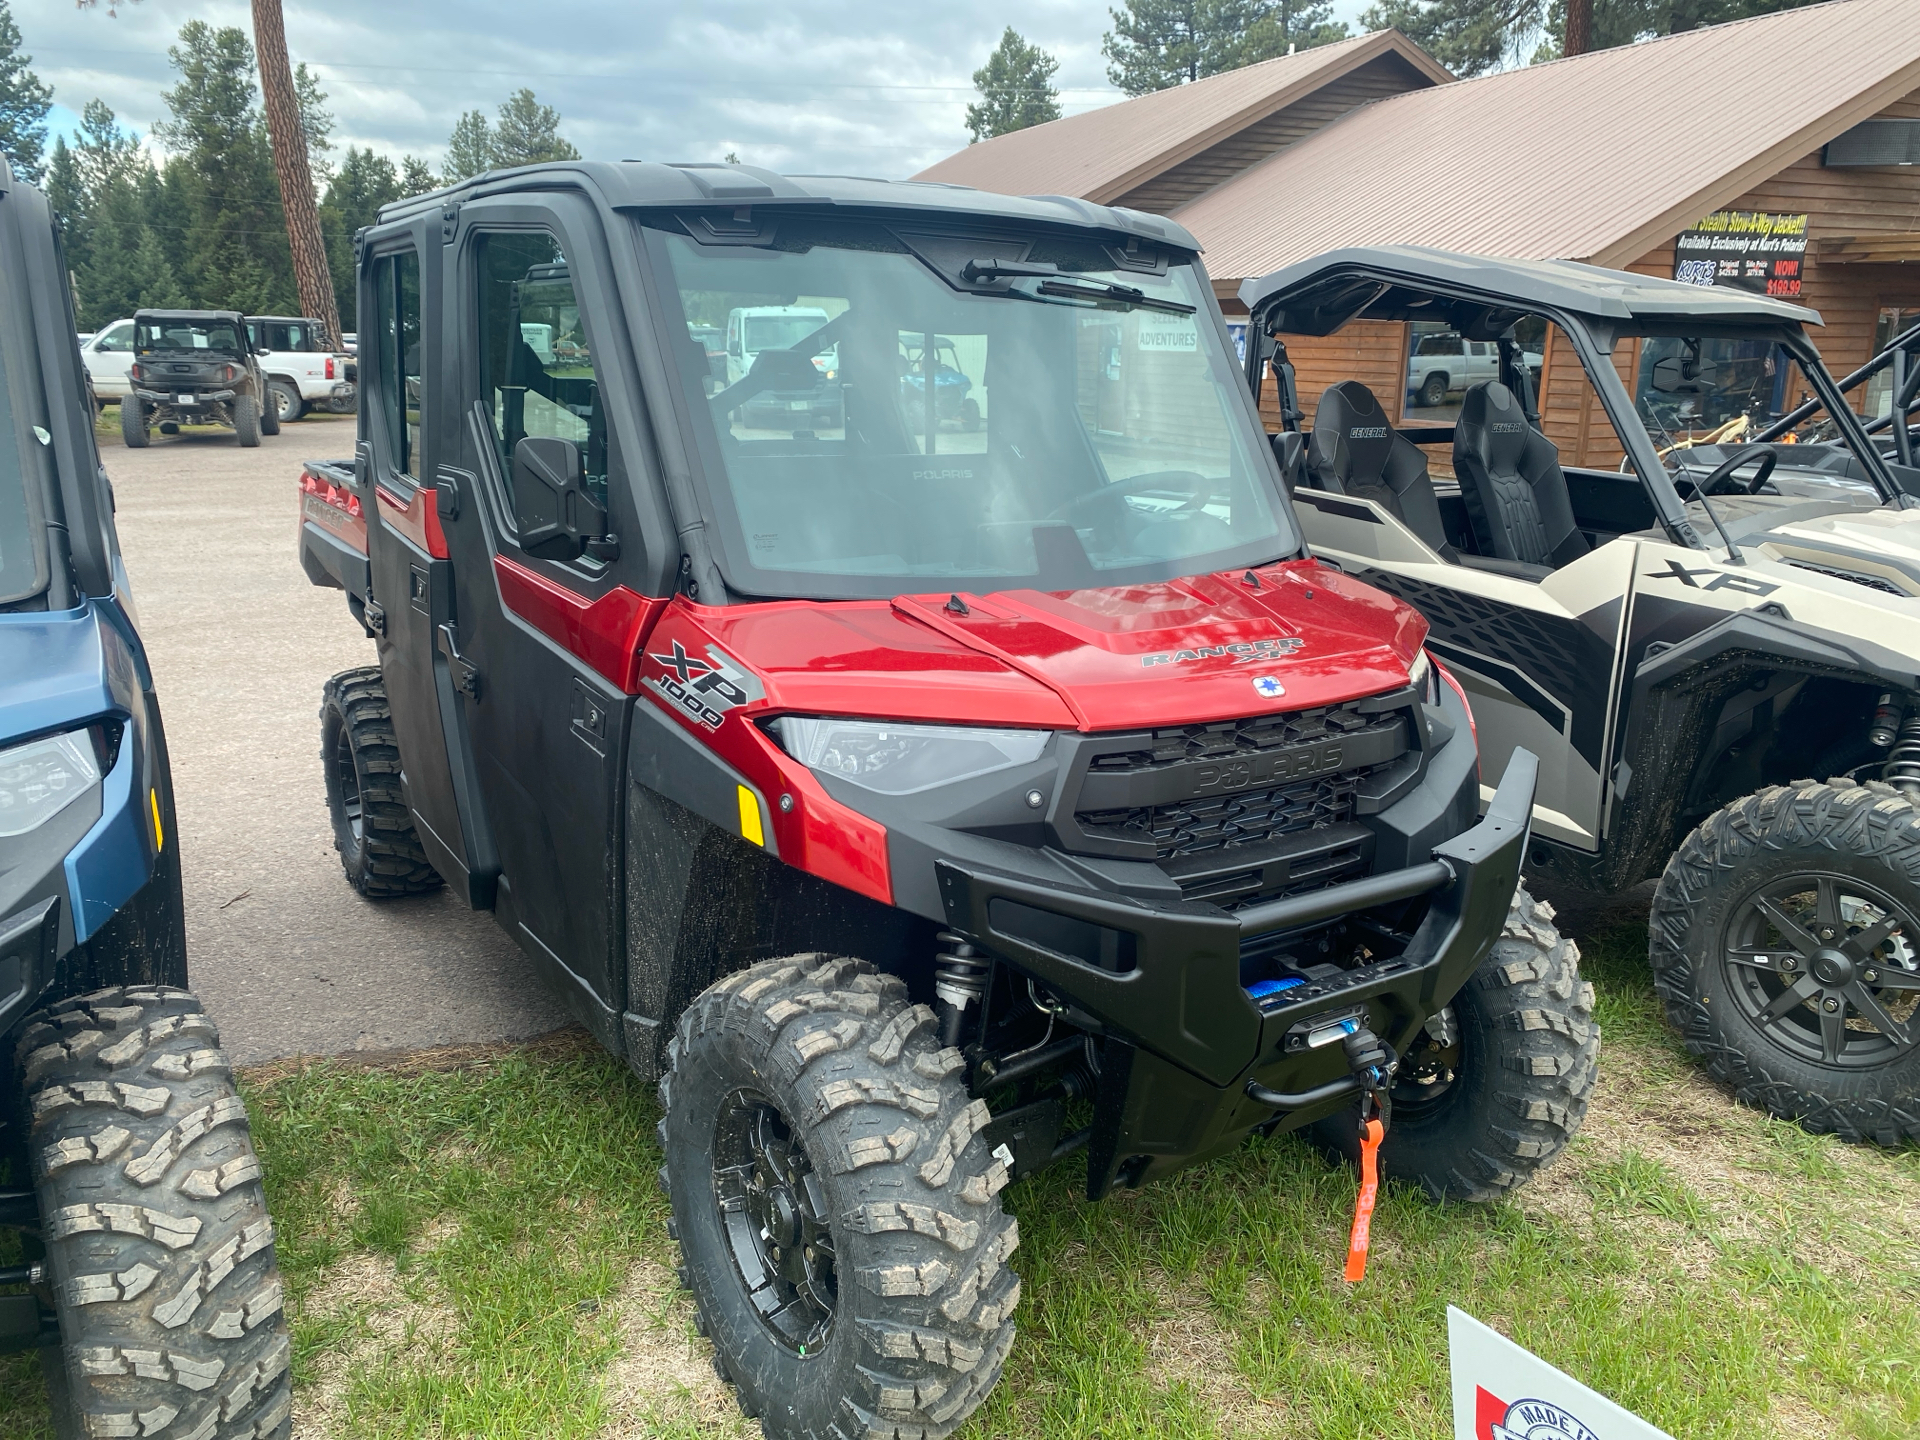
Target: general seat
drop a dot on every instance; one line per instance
(1353, 450)
(1512, 485)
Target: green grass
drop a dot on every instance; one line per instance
(480, 1251)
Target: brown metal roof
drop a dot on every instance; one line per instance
(1600, 157)
(1101, 154)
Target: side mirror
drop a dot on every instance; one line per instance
(557, 517)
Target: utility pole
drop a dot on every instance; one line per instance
(1578, 39)
(311, 273)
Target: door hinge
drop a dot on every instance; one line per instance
(466, 675)
(376, 617)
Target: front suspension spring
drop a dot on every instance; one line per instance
(1903, 762)
(959, 980)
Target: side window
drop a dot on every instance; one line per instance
(539, 375)
(117, 337)
(397, 301)
(292, 337)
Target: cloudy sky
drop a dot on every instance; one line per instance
(862, 86)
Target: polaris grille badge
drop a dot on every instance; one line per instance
(1268, 686)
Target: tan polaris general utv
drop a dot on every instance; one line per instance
(194, 367)
(919, 800)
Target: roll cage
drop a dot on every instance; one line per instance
(1594, 308)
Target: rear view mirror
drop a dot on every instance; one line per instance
(556, 515)
(1682, 374)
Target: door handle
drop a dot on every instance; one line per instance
(466, 675)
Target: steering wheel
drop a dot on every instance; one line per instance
(1202, 491)
(1724, 471)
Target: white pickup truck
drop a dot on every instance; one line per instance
(301, 376)
(109, 355)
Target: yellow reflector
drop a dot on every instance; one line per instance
(153, 801)
(750, 817)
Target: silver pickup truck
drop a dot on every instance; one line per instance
(301, 373)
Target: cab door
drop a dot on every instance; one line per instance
(549, 647)
(412, 580)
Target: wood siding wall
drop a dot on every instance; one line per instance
(1380, 77)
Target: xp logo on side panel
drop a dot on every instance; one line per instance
(1722, 579)
(705, 689)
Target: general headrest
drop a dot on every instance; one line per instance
(1493, 426)
(1351, 433)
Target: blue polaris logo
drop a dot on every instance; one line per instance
(1268, 686)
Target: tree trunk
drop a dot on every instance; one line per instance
(310, 270)
(1578, 39)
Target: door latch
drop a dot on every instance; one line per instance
(466, 675)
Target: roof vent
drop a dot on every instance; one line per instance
(1875, 142)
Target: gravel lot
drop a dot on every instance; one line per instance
(286, 957)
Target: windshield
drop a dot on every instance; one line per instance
(768, 332)
(1068, 438)
(1704, 397)
(173, 333)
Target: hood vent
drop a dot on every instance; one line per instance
(1857, 577)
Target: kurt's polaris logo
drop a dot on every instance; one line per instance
(1302, 762)
(1367, 432)
(1243, 653)
(705, 689)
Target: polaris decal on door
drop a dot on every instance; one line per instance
(1243, 653)
(705, 689)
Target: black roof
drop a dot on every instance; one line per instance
(169, 314)
(646, 184)
(1318, 296)
(287, 319)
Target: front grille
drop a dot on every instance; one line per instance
(1191, 827)
(1250, 736)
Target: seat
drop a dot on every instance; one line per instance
(1352, 450)
(1511, 482)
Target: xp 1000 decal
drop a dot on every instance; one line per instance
(704, 688)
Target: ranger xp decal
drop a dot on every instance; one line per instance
(1243, 653)
(705, 689)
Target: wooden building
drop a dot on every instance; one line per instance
(1609, 157)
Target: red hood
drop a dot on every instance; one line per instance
(1140, 655)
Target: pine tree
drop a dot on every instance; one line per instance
(364, 183)
(316, 123)
(416, 176)
(469, 148)
(1155, 44)
(529, 133)
(1016, 89)
(24, 103)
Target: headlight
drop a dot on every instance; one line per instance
(1420, 676)
(904, 759)
(42, 777)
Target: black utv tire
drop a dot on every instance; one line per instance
(269, 418)
(1433, 394)
(1837, 839)
(133, 422)
(1476, 1118)
(284, 405)
(379, 848)
(159, 1252)
(246, 421)
(812, 1096)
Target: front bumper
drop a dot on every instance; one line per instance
(1163, 983)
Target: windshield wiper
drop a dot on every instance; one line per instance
(977, 272)
(1124, 296)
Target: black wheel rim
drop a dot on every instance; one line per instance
(1430, 1070)
(773, 1217)
(1823, 967)
(346, 781)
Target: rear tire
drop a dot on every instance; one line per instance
(159, 1255)
(1849, 850)
(246, 421)
(284, 403)
(372, 829)
(816, 1098)
(1433, 394)
(269, 419)
(1476, 1119)
(133, 422)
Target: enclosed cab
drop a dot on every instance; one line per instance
(194, 367)
(919, 803)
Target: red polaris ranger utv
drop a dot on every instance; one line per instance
(919, 801)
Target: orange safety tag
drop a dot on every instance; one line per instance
(1370, 1136)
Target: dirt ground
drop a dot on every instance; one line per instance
(287, 958)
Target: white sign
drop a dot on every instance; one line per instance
(1503, 1392)
(1161, 331)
